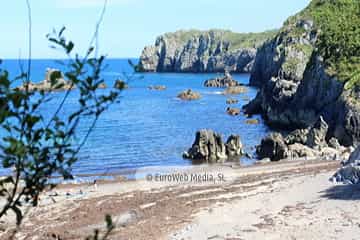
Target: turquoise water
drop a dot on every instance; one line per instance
(151, 128)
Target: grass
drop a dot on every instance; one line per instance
(236, 40)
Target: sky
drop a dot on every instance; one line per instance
(129, 25)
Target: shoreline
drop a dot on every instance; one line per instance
(169, 208)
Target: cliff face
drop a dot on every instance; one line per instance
(301, 75)
(202, 51)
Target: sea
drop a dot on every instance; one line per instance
(149, 128)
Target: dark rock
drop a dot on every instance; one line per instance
(225, 81)
(120, 84)
(189, 95)
(233, 111)
(273, 147)
(209, 147)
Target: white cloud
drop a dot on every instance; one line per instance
(88, 3)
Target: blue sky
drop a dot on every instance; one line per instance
(131, 24)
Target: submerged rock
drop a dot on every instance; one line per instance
(252, 121)
(235, 90)
(158, 87)
(233, 111)
(225, 81)
(120, 84)
(189, 95)
(209, 147)
(232, 101)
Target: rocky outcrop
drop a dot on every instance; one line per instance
(189, 95)
(273, 147)
(202, 51)
(54, 81)
(209, 147)
(309, 142)
(220, 82)
(296, 83)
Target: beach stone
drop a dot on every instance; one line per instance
(189, 95)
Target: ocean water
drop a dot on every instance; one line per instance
(151, 128)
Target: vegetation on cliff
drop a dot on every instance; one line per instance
(236, 40)
(338, 23)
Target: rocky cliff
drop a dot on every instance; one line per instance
(311, 68)
(202, 51)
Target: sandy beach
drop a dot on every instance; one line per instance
(285, 200)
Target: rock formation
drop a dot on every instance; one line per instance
(202, 51)
(224, 81)
(309, 142)
(209, 147)
(189, 95)
(300, 75)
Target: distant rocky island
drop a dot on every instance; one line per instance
(203, 51)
